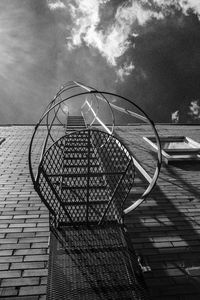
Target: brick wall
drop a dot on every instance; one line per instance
(24, 227)
(164, 230)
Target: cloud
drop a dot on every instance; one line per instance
(194, 109)
(186, 6)
(56, 4)
(125, 70)
(175, 116)
(113, 41)
(150, 46)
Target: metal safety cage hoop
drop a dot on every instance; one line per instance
(83, 173)
(82, 169)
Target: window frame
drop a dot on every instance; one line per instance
(176, 154)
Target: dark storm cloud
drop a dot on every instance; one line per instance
(167, 67)
(153, 47)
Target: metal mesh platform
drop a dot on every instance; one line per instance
(84, 179)
(93, 263)
(88, 175)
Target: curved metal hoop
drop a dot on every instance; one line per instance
(50, 117)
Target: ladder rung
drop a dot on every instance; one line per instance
(74, 140)
(77, 146)
(84, 174)
(82, 166)
(77, 151)
(75, 203)
(80, 158)
(81, 137)
(75, 126)
(78, 187)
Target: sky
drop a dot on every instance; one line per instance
(145, 50)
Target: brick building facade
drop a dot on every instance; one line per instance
(164, 230)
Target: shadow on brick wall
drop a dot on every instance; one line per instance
(165, 231)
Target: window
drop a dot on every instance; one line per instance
(177, 148)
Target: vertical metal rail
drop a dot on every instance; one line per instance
(47, 137)
(88, 178)
(115, 190)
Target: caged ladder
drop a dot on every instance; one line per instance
(83, 174)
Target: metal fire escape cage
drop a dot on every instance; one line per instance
(83, 173)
